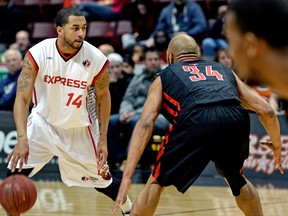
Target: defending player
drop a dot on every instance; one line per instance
(201, 99)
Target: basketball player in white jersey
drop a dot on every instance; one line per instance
(68, 119)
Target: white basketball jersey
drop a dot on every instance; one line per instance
(63, 82)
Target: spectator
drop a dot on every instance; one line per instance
(145, 20)
(106, 49)
(216, 38)
(128, 66)
(12, 19)
(8, 86)
(135, 52)
(223, 56)
(181, 16)
(118, 81)
(128, 42)
(98, 10)
(161, 39)
(121, 125)
(22, 42)
(115, 67)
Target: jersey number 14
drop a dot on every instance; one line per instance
(76, 101)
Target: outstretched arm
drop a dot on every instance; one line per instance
(140, 137)
(25, 86)
(103, 107)
(251, 100)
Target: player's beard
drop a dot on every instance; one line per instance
(76, 44)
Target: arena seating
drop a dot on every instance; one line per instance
(45, 11)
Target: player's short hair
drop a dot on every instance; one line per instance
(62, 17)
(267, 19)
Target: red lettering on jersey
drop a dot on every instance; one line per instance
(83, 84)
(64, 81)
(46, 77)
(77, 83)
(57, 79)
(70, 82)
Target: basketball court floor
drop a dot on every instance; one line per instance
(208, 197)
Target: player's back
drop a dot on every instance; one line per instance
(189, 84)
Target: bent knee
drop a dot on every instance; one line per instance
(235, 180)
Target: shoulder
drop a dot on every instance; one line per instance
(166, 72)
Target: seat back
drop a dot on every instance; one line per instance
(100, 29)
(43, 30)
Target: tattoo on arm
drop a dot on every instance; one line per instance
(101, 85)
(24, 79)
(102, 82)
(27, 64)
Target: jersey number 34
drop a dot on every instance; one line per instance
(197, 76)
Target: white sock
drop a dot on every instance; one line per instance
(127, 206)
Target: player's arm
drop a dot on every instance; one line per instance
(25, 86)
(141, 135)
(103, 107)
(250, 99)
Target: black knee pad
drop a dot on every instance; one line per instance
(235, 180)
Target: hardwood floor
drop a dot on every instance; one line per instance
(55, 198)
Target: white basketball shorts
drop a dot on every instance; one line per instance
(75, 149)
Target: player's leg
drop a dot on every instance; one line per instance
(249, 201)
(230, 155)
(78, 163)
(244, 192)
(148, 199)
(111, 191)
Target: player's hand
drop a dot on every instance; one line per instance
(276, 153)
(20, 153)
(102, 153)
(122, 193)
